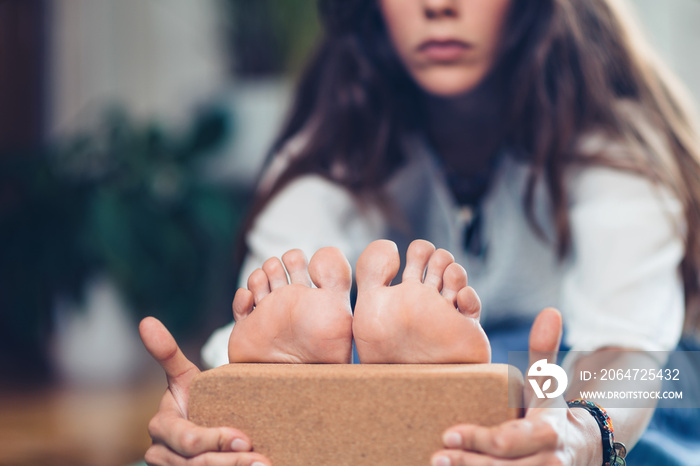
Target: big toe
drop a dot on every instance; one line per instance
(329, 269)
(378, 265)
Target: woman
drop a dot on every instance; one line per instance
(537, 140)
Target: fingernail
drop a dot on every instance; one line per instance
(452, 440)
(441, 461)
(240, 445)
(258, 463)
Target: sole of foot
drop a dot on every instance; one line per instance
(282, 318)
(432, 316)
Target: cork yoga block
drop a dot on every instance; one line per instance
(353, 414)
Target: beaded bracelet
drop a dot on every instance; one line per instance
(613, 452)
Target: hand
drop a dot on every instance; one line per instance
(177, 441)
(549, 434)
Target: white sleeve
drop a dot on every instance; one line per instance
(623, 287)
(308, 214)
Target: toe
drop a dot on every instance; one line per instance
(329, 269)
(298, 268)
(453, 280)
(378, 265)
(275, 273)
(436, 268)
(242, 304)
(417, 257)
(468, 302)
(259, 285)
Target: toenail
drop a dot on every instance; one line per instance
(452, 440)
(441, 461)
(240, 445)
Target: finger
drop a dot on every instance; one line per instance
(512, 439)
(417, 256)
(454, 279)
(545, 338)
(259, 285)
(546, 332)
(189, 439)
(163, 347)
(242, 305)
(297, 266)
(463, 458)
(436, 268)
(275, 273)
(158, 455)
(468, 302)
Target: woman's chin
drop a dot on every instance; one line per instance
(449, 83)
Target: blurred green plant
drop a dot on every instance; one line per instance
(129, 201)
(271, 37)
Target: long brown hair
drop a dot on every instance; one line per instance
(565, 69)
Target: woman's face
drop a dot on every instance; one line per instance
(447, 46)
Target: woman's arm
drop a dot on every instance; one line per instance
(622, 290)
(630, 417)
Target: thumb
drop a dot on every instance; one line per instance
(545, 337)
(164, 349)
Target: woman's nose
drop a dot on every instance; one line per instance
(440, 8)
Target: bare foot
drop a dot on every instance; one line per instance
(279, 321)
(431, 319)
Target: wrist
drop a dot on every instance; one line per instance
(613, 453)
(590, 447)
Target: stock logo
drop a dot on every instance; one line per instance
(542, 368)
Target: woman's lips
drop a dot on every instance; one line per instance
(443, 50)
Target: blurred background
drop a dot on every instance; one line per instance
(131, 136)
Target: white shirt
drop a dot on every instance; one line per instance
(619, 286)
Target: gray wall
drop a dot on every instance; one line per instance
(673, 27)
